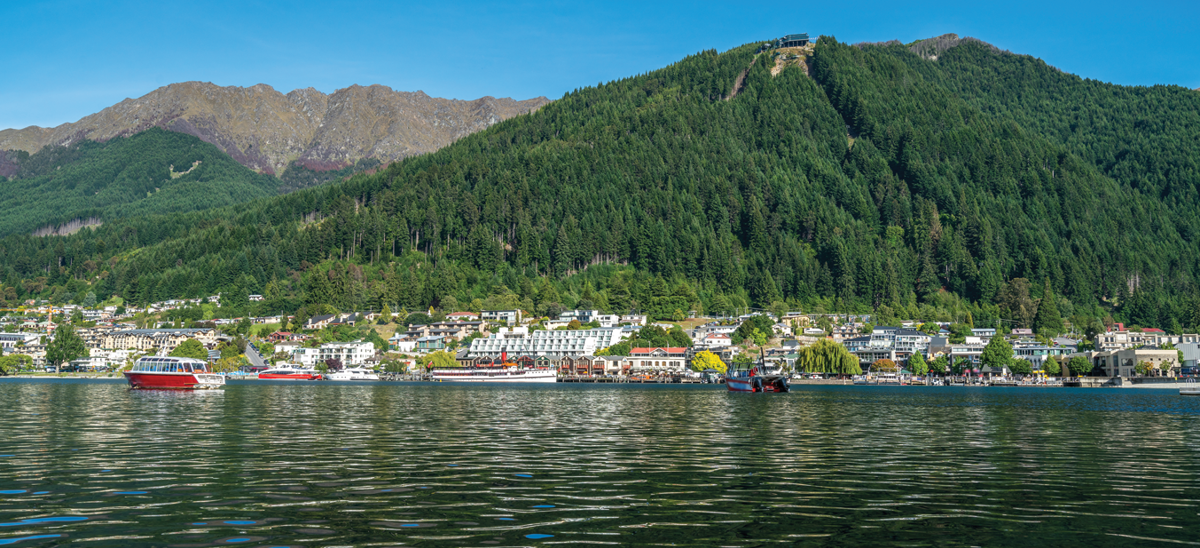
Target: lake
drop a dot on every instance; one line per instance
(91, 463)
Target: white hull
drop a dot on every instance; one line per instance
(466, 375)
(353, 375)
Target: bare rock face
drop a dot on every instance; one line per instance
(265, 130)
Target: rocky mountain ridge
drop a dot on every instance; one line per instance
(266, 130)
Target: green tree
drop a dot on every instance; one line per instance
(1052, 367)
(1144, 368)
(1048, 322)
(917, 365)
(374, 338)
(89, 300)
(707, 360)
(827, 356)
(66, 346)
(1021, 367)
(439, 360)
(227, 364)
(190, 348)
(940, 365)
(385, 316)
(14, 363)
(1079, 366)
(997, 354)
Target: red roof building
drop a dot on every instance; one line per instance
(658, 360)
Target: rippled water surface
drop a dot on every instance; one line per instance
(324, 464)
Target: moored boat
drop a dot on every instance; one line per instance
(171, 373)
(289, 372)
(753, 382)
(509, 373)
(1190, 388)
(353, 374)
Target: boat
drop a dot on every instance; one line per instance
(353, 374)
(500, 373)
(751, 381)
(290, 372)
(171, 373)
(1190, 388)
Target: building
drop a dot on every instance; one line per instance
(351, 354)
(1119, 338)
(256, 298)
(1191, 355)
(452, 330)
(658, 360)
(792, 41)
(320, 321)
(552, 344)
(307, 357)
(12, 340)
(506, 317)
(148, 340)
(633, 319)
(401, 342)
(893, 343)
(1037, 354)
(432, 343)
(1123, 363)
(714, 340)
(462, 316)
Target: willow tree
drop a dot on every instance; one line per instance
(827, 356)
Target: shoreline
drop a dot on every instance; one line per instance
(1087, 382)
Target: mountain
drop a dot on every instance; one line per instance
(60, 189)
(266, 130)
(863, 179)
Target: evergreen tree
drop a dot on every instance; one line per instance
(998, 354)
(917, 365)
(1047, 323)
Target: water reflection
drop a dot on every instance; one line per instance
(371, 464)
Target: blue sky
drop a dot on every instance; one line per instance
(65, 59)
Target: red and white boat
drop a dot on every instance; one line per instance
(170, 373)
(753, 382)
(290, 373)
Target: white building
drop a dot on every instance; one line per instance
(714, 340)
(506, 317)
(402, 343)
(11, 340)
(307, 357)
(351, 354)
(553, 344)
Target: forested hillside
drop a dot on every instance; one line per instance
(155, 171)
(884, 182)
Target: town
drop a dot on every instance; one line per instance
(581, 345)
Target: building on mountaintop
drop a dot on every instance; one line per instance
(792, 41)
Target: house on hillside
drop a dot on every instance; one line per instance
(792, 41)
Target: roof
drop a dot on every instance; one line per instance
(320, 318)
(668, 350)
(172, 331)
(792, 37)
(1152, 330)
(716, 336)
